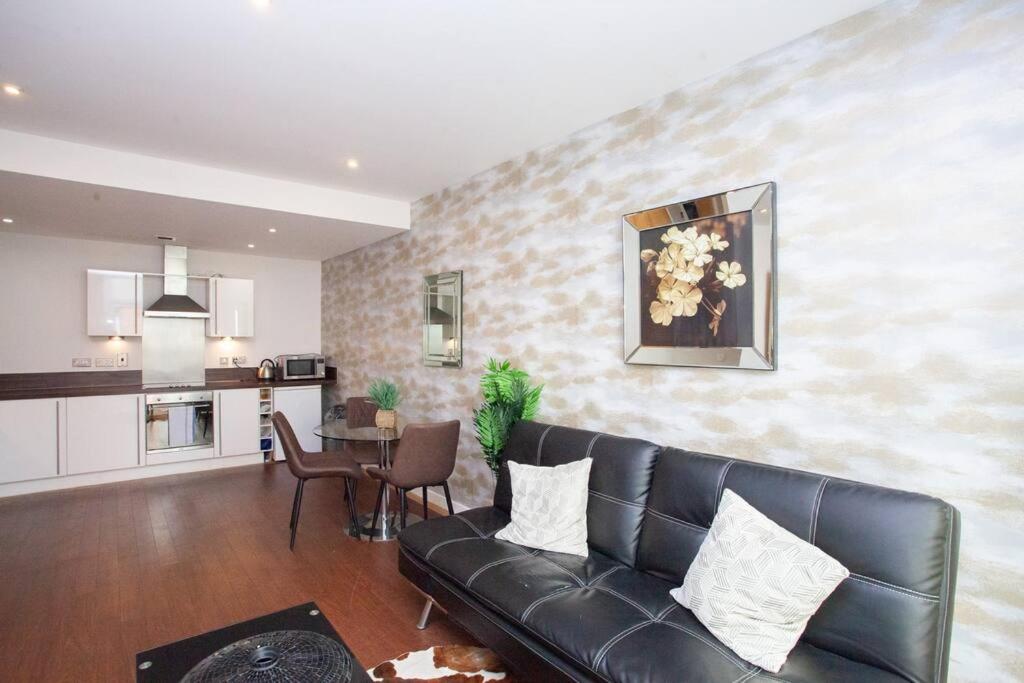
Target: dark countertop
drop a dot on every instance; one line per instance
(108, 383)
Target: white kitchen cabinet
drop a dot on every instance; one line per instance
(230, 301)
(238, 421)
(301, 405)
(114, 303)
(104, 432)
(30, 438)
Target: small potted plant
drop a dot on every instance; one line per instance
(384, 394)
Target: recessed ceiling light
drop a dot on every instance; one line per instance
(12, 89)
(251, 246)
(352, 163)
(8, 220)
(261, 4)
(272, 230)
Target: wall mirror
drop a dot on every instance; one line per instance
(442, 320)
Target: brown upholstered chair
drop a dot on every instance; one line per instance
(359, 412)
(306, 465)
(425, 457)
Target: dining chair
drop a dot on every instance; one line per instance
(305, 465)
(425, 457)
(359, 412)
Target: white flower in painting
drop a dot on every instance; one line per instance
(665, 288)
(730, 275)
(661, 314)
(683, 299)
(648, 255)
(672, 236)
(717, 243)
(688, 272)
(696, 249)
(666, 261)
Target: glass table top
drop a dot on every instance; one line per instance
(339, 429)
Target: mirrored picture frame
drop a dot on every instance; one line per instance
(442, 320)
(700, 282)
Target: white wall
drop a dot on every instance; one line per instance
(42, 301)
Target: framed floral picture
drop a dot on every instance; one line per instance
(700, 281)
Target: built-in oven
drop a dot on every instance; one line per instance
(179, 421)
(302, 366)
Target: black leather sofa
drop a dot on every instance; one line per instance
(609, 617)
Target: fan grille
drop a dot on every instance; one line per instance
(278, 657)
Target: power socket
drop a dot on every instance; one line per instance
(224, 361)
(239, 360)
(81, 362)
(104, 362)
(122, 360)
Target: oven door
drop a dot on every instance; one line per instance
(179, 426)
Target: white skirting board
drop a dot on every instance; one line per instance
(94, 478)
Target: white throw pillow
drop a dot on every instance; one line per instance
(549, 507)
(755, 585)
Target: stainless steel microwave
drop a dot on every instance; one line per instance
(302, 366)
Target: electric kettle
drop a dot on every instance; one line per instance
(266, 369)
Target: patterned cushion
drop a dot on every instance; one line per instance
(549, 507)
(755, 585)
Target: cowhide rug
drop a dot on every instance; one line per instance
(442, 664)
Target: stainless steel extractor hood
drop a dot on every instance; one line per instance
(175, 303)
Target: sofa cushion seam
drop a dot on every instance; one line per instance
(721, 484)
(615, 639)
(670, 518)
(540, 442)
(815, 509)
(903, 590)
(495, 563)
(647, 613)
(943, 604)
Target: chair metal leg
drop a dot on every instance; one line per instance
(404, 505)
(295, 504)
(425, 615)
(425, 512)
(448, 498)
(376, 509)
(298, 510)
(353, 514)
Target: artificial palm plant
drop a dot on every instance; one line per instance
(508, 398)
(385, 395)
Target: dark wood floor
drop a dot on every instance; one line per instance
(89, 577)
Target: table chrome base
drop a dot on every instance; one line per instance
(383, 532)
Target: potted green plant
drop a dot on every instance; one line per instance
(508, 398)
(385, 395)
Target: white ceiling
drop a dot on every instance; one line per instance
(424, 94)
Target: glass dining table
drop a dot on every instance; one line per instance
(338, 430)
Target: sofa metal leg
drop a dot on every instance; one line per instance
(425, 615)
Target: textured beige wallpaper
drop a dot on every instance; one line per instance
(897, 141)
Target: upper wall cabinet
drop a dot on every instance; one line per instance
(114, 303)
(231, 308)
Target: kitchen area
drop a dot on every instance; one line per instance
(187, 408)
